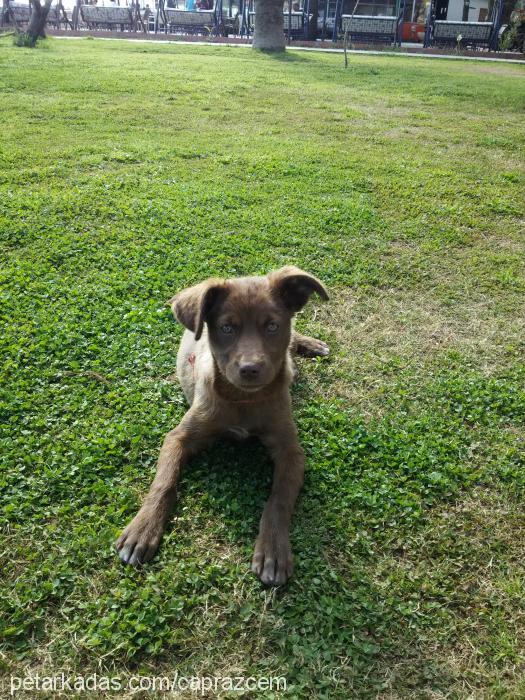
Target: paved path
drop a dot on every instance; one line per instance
(417, 54)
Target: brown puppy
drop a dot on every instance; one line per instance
(235, 367)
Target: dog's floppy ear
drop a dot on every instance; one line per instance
(294, 287)
(192, 306)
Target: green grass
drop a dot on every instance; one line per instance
(130, 171)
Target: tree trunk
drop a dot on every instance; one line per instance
(37, 23)
(269, 25)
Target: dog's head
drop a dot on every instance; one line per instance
(249, 321)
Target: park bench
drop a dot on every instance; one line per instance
(378, 29)
(295, 24)
(446, 33)
(53, 16)
(107, 17)
(231, 25)
(18, 15)
(58, 16)
(186, 21)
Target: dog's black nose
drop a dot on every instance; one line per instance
(249, 370)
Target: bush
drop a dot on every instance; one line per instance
(24, 40)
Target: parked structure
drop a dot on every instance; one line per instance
(439, 22)
(456, 23)
(18, 14)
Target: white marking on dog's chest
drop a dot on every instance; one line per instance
(239, 433)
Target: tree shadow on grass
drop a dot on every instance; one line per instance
(285, 56)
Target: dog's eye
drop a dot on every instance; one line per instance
(272, 327)
(227, 329)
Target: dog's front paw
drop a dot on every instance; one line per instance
(272, 559)
(140, 540)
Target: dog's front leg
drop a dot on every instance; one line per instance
(272, 559)
(141, 538)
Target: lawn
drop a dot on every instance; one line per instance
(130, 171)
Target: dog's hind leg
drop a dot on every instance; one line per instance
(308, 347)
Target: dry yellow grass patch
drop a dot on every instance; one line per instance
(376, 333)
(469, 562)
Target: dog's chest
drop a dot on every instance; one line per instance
(238, 432)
